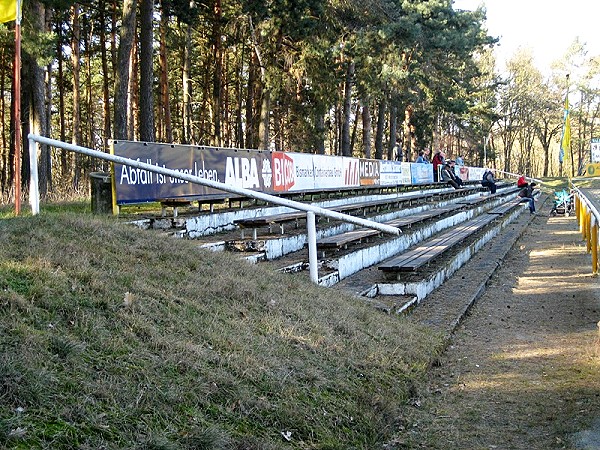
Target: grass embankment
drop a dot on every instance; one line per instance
(117, 338)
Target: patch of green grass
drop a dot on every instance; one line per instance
(113, 337)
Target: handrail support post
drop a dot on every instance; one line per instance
(311, 225)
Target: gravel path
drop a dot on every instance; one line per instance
(522, 370)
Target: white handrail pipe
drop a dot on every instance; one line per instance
(315, 210)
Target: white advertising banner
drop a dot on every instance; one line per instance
(391, 173)
(329, 171)
(406, 173)
(595, 149)
(476, 173)
(270, 172)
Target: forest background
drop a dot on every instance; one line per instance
(370, 78)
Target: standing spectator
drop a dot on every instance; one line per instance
(438, 161)
(423, 157)
(488, 181)
(397, 152)
(459, 161)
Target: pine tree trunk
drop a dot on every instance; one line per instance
(367, 128)
(354, 129)
(61, 101)
(122, 68)
(345, 133)
(320, 129)
(133, 93)
(33, 101)
(3, 136)
(251, 100)
(75, 68)
(380, 130)
(263, 128)
(46, 164)
(146, 97)
(239, 126)
(393, 132)
(217, 74)
(187, 87)
(165, 124)
(105, 86)
(407, 141)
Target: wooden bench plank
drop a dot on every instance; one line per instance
(269, 220)
(343, 239)
(423, 254)
(503, 209)
(174, 203)
(258, 222)
(340, 240)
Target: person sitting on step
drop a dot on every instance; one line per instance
(526, 195)
(488, 181)
(449, 176)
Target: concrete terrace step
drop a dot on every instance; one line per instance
(419, 284)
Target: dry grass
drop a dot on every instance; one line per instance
(112, 337)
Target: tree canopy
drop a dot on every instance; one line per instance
(340, 77)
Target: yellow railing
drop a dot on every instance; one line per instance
(588, 219)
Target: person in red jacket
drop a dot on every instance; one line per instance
(438, 161)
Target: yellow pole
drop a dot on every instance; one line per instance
(594, 246)
(577, 208)
(588, 231)
(582, 215)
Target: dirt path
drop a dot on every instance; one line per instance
(523, 370)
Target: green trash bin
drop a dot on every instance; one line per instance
(101, 189)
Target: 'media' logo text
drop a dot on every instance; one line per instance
(283, 172)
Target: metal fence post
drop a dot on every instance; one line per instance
(312, 246)
(34, 189)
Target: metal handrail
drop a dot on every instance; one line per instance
(311, 210)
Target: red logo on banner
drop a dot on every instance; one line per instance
(283, 172)
(352, 176)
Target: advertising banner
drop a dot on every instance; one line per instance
(595, 149)
(264, 171)
(421, 173)
(329, 171)
(476, 173)
(406, 177)
(241, 168)
(391, 173)
(369, 172)
(283, 168)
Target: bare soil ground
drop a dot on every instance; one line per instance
(523, 369)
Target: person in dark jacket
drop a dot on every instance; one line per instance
(453, 173)
(526, 194)
(449, 176)
(488, 181)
